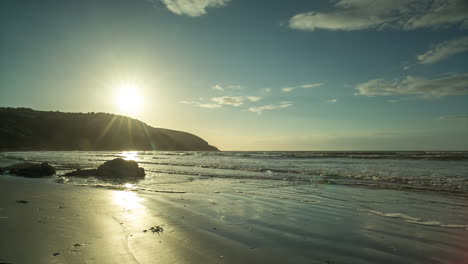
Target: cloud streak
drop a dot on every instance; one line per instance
(220, 87)
(260, 109)
(311, 85)
(202, 105)
(444, 50)
(234, 100)
(288, 89)
(217, 102)
(454, 117)
(193, 8)
(384, 14)
(445, 86)
(305, 86)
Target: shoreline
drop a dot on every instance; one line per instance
(99, 225)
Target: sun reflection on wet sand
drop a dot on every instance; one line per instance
(130, 155)
(129, 186)
(128, 200)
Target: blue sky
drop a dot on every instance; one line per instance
(251, 74)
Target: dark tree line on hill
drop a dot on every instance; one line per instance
(28, 129)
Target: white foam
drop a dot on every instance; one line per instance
(413, 220)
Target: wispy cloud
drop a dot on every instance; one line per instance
(443, 50)
(229, 100)
(220, 87)
(332, 101)
(253, 98)
(200, 104)
(217, 87)
(267, 90)
(383, 14)
(234, 100)
(260, 109)
(192, 8)
(311, 85)
(456, 84)
(454, 117)
(305, 86)
(288, 89)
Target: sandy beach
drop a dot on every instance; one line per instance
(46, 222)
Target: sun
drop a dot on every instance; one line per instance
(129, 99)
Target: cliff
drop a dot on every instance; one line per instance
(28, 129)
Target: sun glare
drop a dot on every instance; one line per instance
(129, 99)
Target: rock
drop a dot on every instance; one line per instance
(31, 170)
(82, 173)
(120, 168)
(113, 169)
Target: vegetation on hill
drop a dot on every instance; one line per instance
(28, 129)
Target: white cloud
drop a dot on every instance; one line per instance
(305, 86)
(332, 100)
(234, 100)
(444, 86)
(220, 87)
(311, 85)
(223, 100)
(192, 8)
(455, 117)
(253, 98)
(267, 90)
(211, 106)
(288, 89)
(217, 87)
(444, 50)
(229, 100)
(260, 109)
(200, 104)
(383, 14)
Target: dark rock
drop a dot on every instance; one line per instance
(113, 169)
(82, 173)
(120, 168)
(31, 170)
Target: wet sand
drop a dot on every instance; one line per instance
(68, 224)
(46, 222)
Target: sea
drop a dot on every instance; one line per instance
(432, 171)
(356, 206)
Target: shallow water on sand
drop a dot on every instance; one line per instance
(303, 207)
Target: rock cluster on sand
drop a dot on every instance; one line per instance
(30, 170)
(113, 169)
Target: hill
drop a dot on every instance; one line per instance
(28, 129)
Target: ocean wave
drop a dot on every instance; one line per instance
(414, 220)
(397, 155)
(441, 176)
(370, 179)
